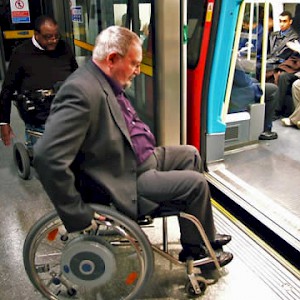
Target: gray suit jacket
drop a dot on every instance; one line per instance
(86, 140)
(282, 50)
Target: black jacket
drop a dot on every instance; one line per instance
(32, 69)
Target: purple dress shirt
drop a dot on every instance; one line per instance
(142, 139)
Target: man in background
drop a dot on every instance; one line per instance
(37, 64)
(278, 50)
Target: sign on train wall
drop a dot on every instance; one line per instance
(19, 11)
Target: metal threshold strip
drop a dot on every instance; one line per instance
(258, 205)
(277, 273)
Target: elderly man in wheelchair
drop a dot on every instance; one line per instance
(95, 149)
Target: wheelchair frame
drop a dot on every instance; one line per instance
(21, 154)
(115, 261)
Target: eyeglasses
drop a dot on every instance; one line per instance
(49, 37)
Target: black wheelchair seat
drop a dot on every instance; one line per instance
(34, 106)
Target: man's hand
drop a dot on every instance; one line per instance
(94, 224)
(98, 217)
(295, 46)
(6, 134)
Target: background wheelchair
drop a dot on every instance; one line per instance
(114, 262)
(33, 108)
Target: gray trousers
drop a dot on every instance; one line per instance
(172, 178)
(295, 116)
(282, 96)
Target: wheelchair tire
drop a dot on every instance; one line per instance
(22, 160)
(61, 268)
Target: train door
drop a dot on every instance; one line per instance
(225, 128)
(253, 173)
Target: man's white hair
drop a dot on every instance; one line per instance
(114, 39)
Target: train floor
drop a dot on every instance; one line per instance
(256, 271)
(265, 177)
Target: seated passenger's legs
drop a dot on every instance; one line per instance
(183, 190)
(178, 158)
(270, 104)
(285, 82)
(270, 101)
(174, 180)
(294, 118)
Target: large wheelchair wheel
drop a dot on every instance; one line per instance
(113, 262)
(22, 160)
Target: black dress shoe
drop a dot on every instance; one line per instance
(220, 240)
(223, 258)
(193, 252)
(268, 135)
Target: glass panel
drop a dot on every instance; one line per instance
(195, 21)
(250, 45)
(246, 87)
(143, 100)
(90, 17)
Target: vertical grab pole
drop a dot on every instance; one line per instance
(183, 71)
(165, 233)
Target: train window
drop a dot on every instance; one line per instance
(145, 14)
(296, 21)
(195, 20)
(90, 17)
(120, 15)
(250, 45)
(141, 93)
(251, 39)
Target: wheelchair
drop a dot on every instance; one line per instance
(114, 261)
(33, 108)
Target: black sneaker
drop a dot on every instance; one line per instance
(268, 135)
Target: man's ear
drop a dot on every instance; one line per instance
(112, 57)
(36, 36)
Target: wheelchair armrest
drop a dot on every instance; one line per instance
(165, 212)
(159, 213)
(147, 220)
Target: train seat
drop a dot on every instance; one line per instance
(244, 127)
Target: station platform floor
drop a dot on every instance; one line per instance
(256, 272)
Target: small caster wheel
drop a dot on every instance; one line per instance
(64, 238)
(72, 292)
(191, 291)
